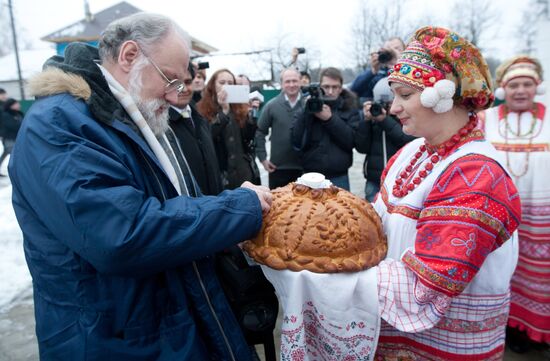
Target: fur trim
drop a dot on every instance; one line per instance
(54, 81)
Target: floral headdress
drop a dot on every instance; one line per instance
(446, 68)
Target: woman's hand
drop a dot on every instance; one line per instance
(222, 101)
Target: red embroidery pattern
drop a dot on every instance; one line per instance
(448, 286)
(533, 147)
(473, 214)
(322, 340)
(403, 210)
(456, 325)
(400, 350)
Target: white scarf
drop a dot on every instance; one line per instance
(125, 99)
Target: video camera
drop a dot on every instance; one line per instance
(316, 98)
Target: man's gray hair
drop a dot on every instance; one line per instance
(288, 70)
(144, 28)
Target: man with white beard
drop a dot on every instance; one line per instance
(118, 250)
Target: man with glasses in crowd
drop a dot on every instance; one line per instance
(118, 248)
(324, 138)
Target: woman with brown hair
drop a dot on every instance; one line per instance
(232, 131)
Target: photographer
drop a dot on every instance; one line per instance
(380, 62)
(324, 133)
(379, 136)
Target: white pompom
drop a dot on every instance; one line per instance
(541, 89)
(446, 88)
(443, 105)
(499, 93)
(429, 97)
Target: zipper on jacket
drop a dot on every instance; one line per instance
(225, 339)
(213, 312)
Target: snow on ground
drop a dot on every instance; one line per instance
(15, 279)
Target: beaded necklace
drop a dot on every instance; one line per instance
(529, 135)
(518, 134)
(406, 183)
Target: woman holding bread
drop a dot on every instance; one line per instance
(449, 210)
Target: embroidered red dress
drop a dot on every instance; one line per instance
(444, 287)
(524, 141)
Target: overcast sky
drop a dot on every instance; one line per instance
(244, 25)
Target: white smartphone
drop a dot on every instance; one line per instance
(237, 93)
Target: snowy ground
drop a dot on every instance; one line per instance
(15, 280)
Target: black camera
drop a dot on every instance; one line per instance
(203, 65)
(385, 56)
(376, 109)
(316, 94)
(301, 50)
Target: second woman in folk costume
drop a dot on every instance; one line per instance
(520, 131)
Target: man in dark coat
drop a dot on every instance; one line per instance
(119, 254)
(194, 137)
(324, 136)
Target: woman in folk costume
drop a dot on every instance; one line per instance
(519, 131)
(449, 210)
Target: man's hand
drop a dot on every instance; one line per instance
(368, 115)
(263, 193)
(325, 114)
(268, 166)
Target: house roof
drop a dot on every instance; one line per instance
(90, 29)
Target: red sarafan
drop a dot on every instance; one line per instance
(320, 230)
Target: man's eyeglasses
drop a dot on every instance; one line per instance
(171, 85)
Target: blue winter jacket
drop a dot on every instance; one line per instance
(120, 263)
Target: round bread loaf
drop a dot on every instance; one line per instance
(320, 230)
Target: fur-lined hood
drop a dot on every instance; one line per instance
(77, 74)
(53, 81)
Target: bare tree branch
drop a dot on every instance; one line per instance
(376, 22)
(474, 20)
(526, 31)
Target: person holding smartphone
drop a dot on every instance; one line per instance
(232, 130)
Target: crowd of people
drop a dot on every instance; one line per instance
(132, 169)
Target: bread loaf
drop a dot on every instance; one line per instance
(320, 230)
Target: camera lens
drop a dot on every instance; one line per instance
(384, 56)
(375, 109)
